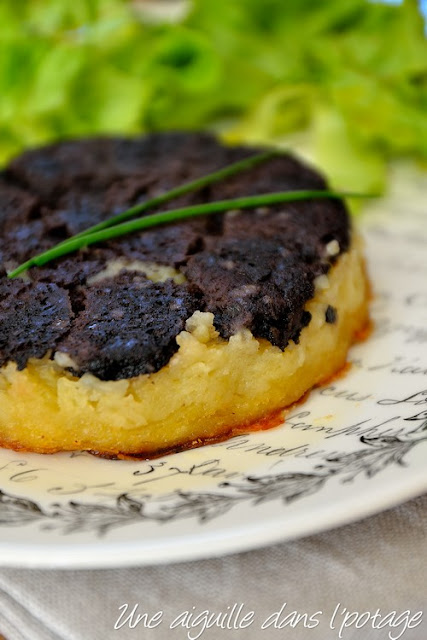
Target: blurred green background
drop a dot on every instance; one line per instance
(343, 81)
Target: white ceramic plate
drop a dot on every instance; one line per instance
(355, 447)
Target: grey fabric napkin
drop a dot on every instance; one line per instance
(378, 563)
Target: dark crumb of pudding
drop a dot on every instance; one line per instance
(331, 314)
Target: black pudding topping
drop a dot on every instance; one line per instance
(251, 269)
(33, 318)
(152, 314)
(260, 285)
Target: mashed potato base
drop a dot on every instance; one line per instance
(210, 386)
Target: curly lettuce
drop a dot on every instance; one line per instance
(344, 82)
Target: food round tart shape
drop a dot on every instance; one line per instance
(172, 336)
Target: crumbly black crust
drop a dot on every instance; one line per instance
(153, 314)
(33, 318)
(263, 286)
(252, 269)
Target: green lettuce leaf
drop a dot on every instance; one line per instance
(346, 82)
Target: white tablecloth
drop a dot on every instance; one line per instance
(378, 563)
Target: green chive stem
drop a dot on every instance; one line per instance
(188, 187)
(175, 215)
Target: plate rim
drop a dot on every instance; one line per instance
(226, 538)
(99, 554)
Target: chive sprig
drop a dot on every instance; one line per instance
(188, 187)
(175, 215)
